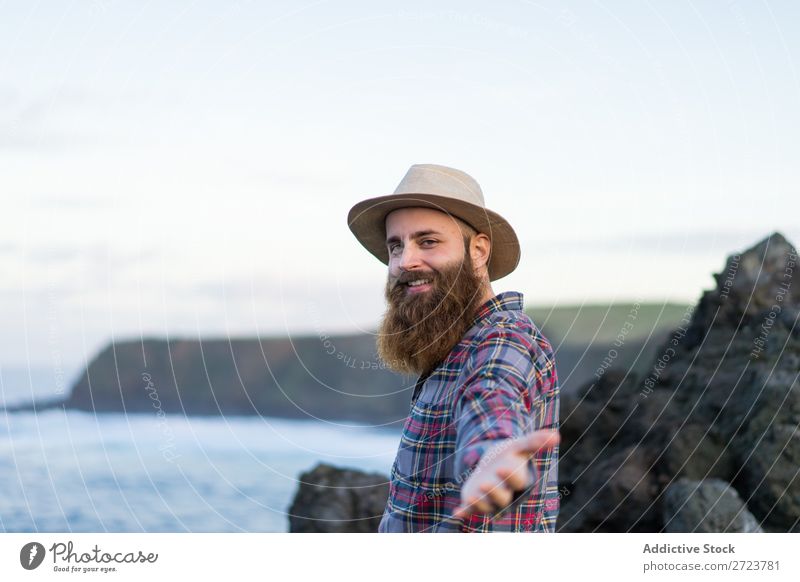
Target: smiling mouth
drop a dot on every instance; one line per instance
(418, 282)
(418, 285)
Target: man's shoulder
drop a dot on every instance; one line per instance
(511, 326)
(512, 342)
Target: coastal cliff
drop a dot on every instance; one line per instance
(308, 377)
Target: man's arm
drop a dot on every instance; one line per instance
(498, 428)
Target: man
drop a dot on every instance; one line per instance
(478, 450)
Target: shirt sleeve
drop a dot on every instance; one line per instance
(507, 372)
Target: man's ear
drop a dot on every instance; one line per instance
(479, 250)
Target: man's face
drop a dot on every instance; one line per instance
(421, 242)
(432, 290)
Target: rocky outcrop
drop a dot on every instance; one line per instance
(330, 499)
(329, 378)
(706, 506)
(721, 401)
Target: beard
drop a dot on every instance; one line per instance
(419, 330)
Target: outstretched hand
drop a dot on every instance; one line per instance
(501, 472)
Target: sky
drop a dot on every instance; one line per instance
(185, 169)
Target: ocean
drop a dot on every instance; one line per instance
(80, 472)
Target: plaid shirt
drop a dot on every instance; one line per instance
(499, 382)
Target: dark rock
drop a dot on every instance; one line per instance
(330, 499)
(695, 452)
(600, 499)
(706, 506)
(721, 400)
(749, 285)
(770, 476)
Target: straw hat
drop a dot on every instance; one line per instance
(445, 189)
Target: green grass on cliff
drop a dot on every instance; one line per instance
(601, 323)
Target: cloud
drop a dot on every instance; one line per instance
(71, 201)
(95, 253)
(36, 122)
(711, 241)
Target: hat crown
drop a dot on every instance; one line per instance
(444, 189)
(441, 181)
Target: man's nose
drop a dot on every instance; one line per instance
(409, 259)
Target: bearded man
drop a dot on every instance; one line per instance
(479, 449)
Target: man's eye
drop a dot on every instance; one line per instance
(393, 248)
(428, 242)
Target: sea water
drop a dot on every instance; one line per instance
(81, 472)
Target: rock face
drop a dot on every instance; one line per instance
(706, 506)
(329, 378)
(330, 499)
(721, 401)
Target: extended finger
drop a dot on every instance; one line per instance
(538, 440)
(482, 505)
(467, 508)
(500, 495)
(514, 478)
(504, 472)
(460, 512)
(479, 504)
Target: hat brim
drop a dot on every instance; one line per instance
(367, 221)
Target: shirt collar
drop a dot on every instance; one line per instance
(506, 301)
